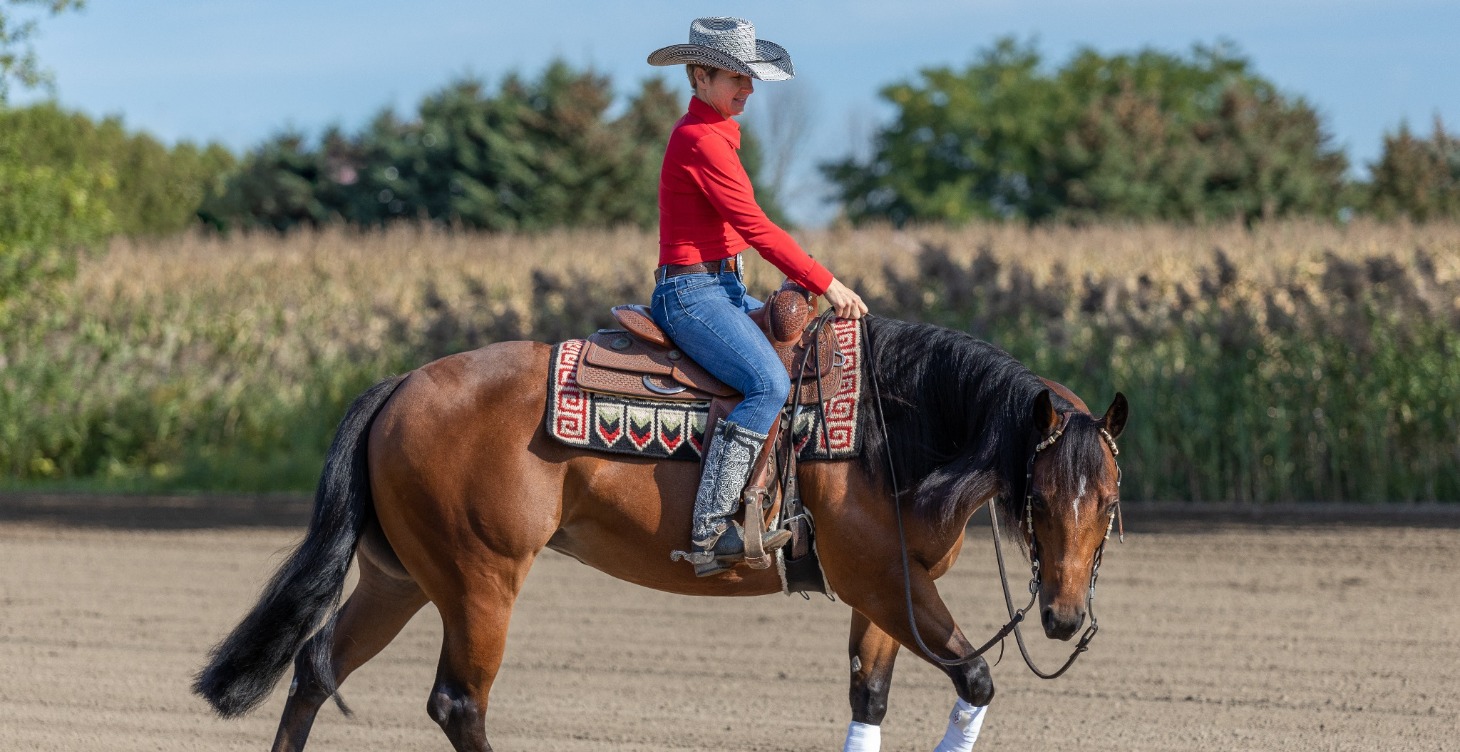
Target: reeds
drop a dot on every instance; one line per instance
(1288, 362)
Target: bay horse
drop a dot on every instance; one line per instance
(444, 486)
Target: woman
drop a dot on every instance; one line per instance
(707, 216)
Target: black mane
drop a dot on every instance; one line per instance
(959, 415)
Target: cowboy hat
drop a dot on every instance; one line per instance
(728, 44)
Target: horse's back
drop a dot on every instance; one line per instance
(489, 398)
(480, 380)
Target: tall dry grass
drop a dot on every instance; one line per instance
(1293, 361)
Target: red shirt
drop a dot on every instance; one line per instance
(707, 208)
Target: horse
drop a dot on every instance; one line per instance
(443, 485)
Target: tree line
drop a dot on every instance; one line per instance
(531, 154)
(1146, 136)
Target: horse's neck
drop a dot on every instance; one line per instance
(969, 404)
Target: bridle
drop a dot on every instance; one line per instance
(1034, 582)
(1015, 616)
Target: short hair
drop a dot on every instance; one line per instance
(689, 70)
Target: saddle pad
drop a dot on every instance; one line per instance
(676, 430)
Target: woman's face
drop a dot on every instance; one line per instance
(726, 91)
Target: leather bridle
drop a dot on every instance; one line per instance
(1034, 565)
(1015, 616)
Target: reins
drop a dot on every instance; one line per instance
(1015, 616)
(790, 498)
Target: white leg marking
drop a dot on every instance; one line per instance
(963, 727)
(1079, 496)
(862, 737)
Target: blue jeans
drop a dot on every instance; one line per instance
(705, 315)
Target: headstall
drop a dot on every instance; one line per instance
(1015, 617)
(1034, 585)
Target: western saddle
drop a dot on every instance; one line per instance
(639, 360)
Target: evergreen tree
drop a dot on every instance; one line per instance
(534, 154)
(276, 186)
(1417, 178)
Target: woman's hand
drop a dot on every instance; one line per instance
(846, 303)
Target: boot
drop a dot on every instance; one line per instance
(719, 542)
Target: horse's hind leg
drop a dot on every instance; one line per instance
(372, 616)
(475, 636)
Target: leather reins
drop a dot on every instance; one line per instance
(1015, 616)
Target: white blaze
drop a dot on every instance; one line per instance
(1079, 494)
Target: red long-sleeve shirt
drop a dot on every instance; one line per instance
(707, 208)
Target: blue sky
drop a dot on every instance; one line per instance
(237, 71)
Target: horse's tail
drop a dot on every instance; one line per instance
(245, 666)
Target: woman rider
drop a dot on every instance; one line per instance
(707, 216)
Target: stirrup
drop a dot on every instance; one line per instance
(728, 550)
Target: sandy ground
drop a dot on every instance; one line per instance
(1215, 634)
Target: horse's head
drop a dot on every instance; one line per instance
(1073, 487)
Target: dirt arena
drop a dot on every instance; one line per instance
(1337, 632)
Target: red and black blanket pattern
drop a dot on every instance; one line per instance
(676, 430)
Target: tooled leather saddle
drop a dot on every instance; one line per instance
(639, 360)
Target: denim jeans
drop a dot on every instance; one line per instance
(705, 315)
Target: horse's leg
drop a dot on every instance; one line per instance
(372, 616)
(475, 626)
(873, 653)
(935, 625)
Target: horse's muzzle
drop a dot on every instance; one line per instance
(1061, 626)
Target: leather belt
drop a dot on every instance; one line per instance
(704, 267)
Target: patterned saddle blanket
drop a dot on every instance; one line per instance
(617, 419)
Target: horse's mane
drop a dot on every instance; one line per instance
(959, 421)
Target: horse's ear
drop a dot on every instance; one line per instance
(1046, 420)
(1114, 419)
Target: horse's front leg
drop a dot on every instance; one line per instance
(887, 622)
(872, 653)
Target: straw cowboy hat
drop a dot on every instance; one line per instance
(728, 44)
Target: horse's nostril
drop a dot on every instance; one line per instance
(1047, 616)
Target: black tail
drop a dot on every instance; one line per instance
(245, 666)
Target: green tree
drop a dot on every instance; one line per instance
(154, 190)
(45, 212)
(18, 62)
(964, 144)
(46, 216)
(1417, 178)
(533, 154)
(1142, 136)
(275, 186)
